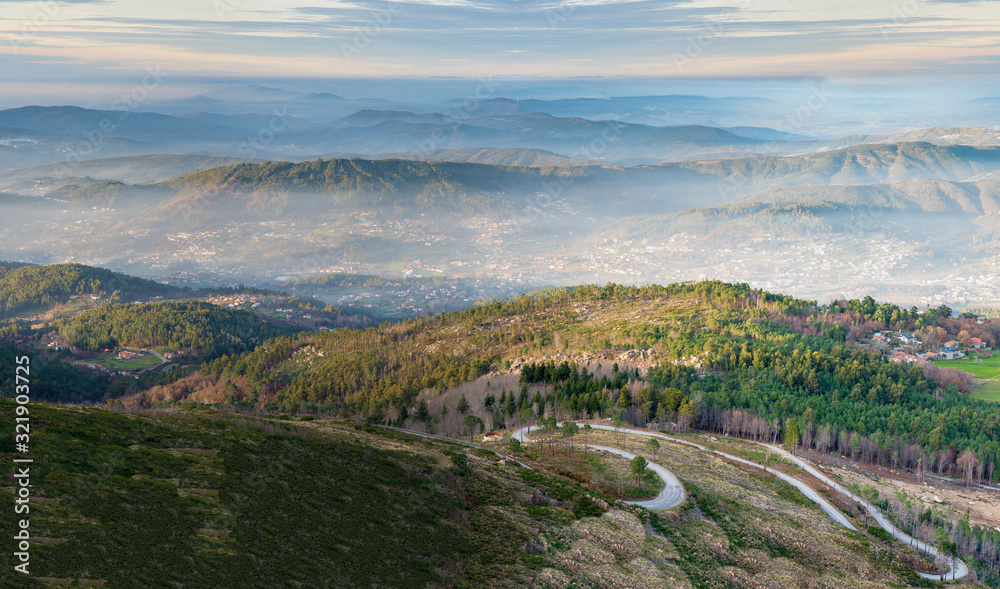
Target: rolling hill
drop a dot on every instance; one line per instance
(40, 287)
(77, 122)
(138, 169)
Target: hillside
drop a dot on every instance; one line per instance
(202, 329)
(238, 500)
(461, 184)
(41, 287)
(138, 169)
(859, 164)
(504, 174)
(924, 195)
(138, 126)
(768, 355)
(517, 157)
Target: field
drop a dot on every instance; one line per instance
(987, 391)
(112, 362)
(986, 369)
(983, 368)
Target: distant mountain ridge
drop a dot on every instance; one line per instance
(136, 169)
(137, 126)
(485, 187)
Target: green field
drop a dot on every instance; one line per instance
(985, 368)
(115, 363)
(988, 391)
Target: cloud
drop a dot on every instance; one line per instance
(501, 37)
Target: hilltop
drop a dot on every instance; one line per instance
(30, 287)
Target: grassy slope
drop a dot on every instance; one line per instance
(196, 498)
(988, 372)
(208, 500)
(987, 391)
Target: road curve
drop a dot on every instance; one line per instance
(960, 568)
(672, 494)
(808, 491)
(452, 440)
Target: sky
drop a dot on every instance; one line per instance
(69, 44)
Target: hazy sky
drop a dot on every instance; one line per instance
(81, 41)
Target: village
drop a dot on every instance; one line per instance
(117, 362)
(905, 347)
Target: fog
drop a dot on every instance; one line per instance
(809, 187)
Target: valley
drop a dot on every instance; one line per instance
(327, 341)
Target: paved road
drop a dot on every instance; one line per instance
(452, 440)
(672, 494)
(961, 569)
(808, 491)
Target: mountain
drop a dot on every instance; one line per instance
(201, 330)
(136, 126)
(129, 169)
(32, 287)
(664, 110)
(575, 137)
(765, 133)
(923, 195)
(456, 186)
(511, 157)
(370, 118)
(860, 164)
(194, 104)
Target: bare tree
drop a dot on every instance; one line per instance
(968, 462)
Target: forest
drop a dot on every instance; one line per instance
(26, 287)
(203, 329)
(762, 360)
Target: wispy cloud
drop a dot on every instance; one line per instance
(504, 37)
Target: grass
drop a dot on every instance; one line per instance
(197, 498)
(114, 363)
(984, 368)
(987, 391)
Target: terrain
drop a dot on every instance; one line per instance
(210, 484)
(709, 356)
(275, 329)
(910, 221)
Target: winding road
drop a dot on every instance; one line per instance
(673, 493)
(961, 569)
